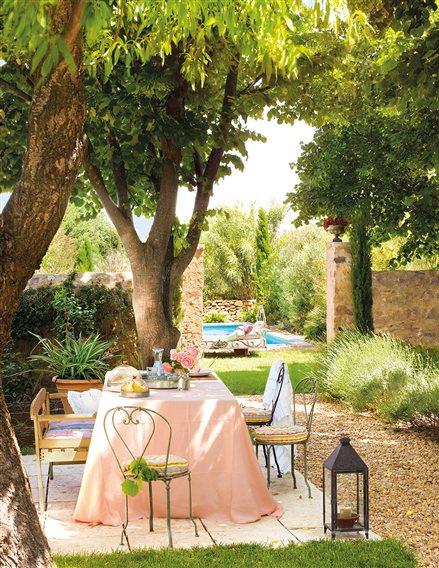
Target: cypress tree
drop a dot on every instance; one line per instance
(361, 275)
(263, 251)
(84, 257)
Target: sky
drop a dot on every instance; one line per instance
(267, 176)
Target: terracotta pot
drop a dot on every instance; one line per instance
(336, 230)
(78, 385)
(347, 522)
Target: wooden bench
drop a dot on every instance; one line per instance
(59, 438)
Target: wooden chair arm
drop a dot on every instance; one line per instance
(65, 417)
(38, 403)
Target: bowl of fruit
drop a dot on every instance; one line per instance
(134, 388)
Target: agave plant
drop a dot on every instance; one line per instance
(74, 358)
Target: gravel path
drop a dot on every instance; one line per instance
(404, 474)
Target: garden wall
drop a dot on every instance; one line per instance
(405, 302)
(191, 325)
(231, 309)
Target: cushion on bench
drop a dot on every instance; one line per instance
(70, 429)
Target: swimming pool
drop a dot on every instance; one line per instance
(216, 331)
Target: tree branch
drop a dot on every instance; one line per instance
(206, 178)
(123, 224)
(16, 90)
(120, 176)
(74, 24)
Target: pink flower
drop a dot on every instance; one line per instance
(175, 355)
(193, 351)
(187, 361)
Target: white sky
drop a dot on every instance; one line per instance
(267, 176)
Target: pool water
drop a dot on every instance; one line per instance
(216, 331)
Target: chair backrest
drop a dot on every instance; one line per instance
(126, 417)
(279, 385)
(306, 392)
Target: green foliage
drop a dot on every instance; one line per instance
(18, 382)
(297, 291)
(84, 257)
(81, 358)
(263, 251)
(60, 256)
(229, 255)
(71, 318)
(379, 373)
(249, 314)
(361, 274)
(136, 474)
(214, 317)
(78, 310)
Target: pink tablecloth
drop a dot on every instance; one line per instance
(208, 430)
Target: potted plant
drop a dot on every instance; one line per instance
(336, 226)
(78, 364)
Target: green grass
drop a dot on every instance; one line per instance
(248, 374)
(319, 554)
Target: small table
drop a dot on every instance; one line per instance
(209, 430)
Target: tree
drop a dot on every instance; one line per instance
(41, 44)
(262, 255)
(169, 101)
(229, 255)
(361, 275)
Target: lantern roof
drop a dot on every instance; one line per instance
(345, 459)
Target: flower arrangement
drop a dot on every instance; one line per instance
(182, 361)
(328, 221)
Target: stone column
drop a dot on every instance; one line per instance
(191, 327)
(339, 298)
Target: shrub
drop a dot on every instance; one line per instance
(382, 374)
(314, 327)
(214, 317)
(249, 314)
(19, 383)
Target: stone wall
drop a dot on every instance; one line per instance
(231, 309)
(192, 292)
(192, 298)
(405, 302)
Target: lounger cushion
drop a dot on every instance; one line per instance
(252, 414)
(176, 464)
(281, 434)
(70, 429)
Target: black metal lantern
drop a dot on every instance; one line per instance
(345, 491)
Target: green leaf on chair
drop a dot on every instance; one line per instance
(130, 487)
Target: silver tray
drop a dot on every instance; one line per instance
(161, 383)
(134, 394)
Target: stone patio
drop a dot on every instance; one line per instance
(300, 522)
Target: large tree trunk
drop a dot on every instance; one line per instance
(27, 225)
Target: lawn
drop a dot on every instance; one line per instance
(248, 374)
(319, 554)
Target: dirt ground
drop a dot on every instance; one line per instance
(404, 474)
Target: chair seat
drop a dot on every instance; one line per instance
(258, 415)
(281, 434)
(70, 429)
(176, 464)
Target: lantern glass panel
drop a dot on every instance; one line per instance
(327, 496)
(350, 500)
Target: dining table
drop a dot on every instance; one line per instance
(208, 429)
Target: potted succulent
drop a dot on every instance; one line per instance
(336, 226)
(78, 364)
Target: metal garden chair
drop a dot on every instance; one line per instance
(255, 417)
(290, 435)
(167, 466)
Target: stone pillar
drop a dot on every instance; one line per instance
(339, 298)
(191, 327)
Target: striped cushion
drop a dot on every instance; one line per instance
(176, 464)
(281, 434)
(252, 414)
(70, 429)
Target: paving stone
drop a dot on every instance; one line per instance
(267, 530)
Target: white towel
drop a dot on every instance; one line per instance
(282, 413)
